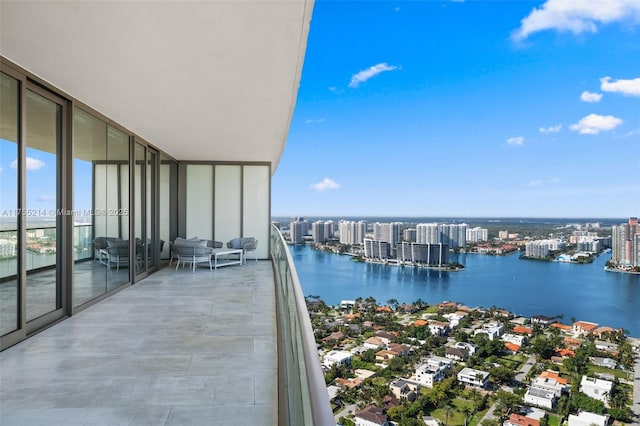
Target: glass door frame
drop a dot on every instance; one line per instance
(143, 214)
(64, 223)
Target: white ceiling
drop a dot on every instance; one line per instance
(201, 80)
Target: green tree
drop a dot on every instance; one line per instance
(393, 303)
(502, 375)
(467, 412)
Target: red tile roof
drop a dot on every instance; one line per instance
(522, 330)
(549, 374)
(512, 347)
(517, 419)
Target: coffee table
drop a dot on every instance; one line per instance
(221, 257)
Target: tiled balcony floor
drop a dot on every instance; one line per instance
(178, 348)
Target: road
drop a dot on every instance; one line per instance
(520, 375)
(348, 409)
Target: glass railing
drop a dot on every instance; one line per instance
(41, 248)
(303, 394)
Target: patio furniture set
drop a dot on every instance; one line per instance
(195, 250)
(115, 251)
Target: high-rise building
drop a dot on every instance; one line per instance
(318, 232)
(428, 254)
(376, 249)
(297, 230)
(453, 235)
(541, 248)
(624, 242)
(409, 235)
(352, 232)
(389, 232)
(427, 233)
(477, 234)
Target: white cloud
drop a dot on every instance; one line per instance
(631, 133)
(372, 71)
(551, 129)
(577, 16)
(325, 184)
(32, 164)
(515, 141)
(43, 198)
(593, 124)
(626, 87)
(590, 97)
(314, 121)
(539, 182)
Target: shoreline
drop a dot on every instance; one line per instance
(606, 268)
(410, 265)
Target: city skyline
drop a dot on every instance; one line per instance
(516, 109)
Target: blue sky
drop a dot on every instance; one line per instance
(466, 108)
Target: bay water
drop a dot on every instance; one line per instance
(524, 287)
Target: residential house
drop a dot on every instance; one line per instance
(336, 336)
(604, 362)
(385, 355)
(427, 376)
(431, 421)
(438, 362)
(571, 343)
(432, 370)
(542, 320)
(512, 347)
(371, 416)
(438, 328)
(383, 309)
(404, 389)
(492, 330)
(333, 391)
(601, 332)
(566, 329)
(516, 339)
(473, 377)
(385, 337)
(545, 390)
(608, 347)
(447, 306)
(347, 304)
(519, 329)
(337, 357)
(348, 383)
(596, 388)
(519, 420)
(457, 354)
(408, 309)
(364, 374)
(398, 349)
(585, 418)
(373, 343)
(470, 347)
(455, 318)
(583, 328)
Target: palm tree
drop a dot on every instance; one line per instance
(467, 411)
(448, 409)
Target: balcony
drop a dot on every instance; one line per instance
(176, 348)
